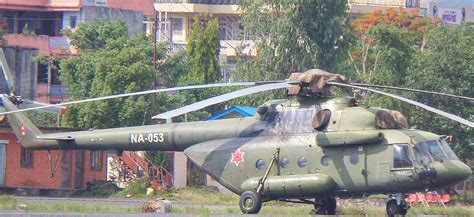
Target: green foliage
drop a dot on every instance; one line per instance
(137, 188)
(435, 59)
(111, 63)
(97, 35)
(293, 36)
(203, 49)
(27, 31)
(447, 65)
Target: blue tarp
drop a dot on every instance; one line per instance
(243, 110)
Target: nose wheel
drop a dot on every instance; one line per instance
(397, 206)
(250, 202)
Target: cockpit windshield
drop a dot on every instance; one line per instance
(436, 151)
(422, 155)
(448, 150)
(439, 150)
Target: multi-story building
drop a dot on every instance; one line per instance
(176, 18)
(33, 27)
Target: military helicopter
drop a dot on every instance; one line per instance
(309, 148)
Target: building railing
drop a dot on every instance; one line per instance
(391, 3)
(207, 2)
(94, 2)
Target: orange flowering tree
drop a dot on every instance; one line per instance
(387, 39)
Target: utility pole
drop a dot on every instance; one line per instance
(155, 29)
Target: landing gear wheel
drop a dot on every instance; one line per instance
(394, 209)
(250, 202)
(331, 206)
(325, 206)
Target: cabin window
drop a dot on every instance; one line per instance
(284, 163)
(302, 162)
(401, 157)
(26, 158)
(96, 160)
(325, 160)
(436, 151)
(260, 164)
(354, 159)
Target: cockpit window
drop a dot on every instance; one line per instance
(401, 157)
(436, 151)
(422, 155)
(448, 150)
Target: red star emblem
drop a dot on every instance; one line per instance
(23, 130)
(237, 157)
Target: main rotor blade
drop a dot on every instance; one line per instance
(33, 104)
(134, 94)
(219, 99)
(6, 72)
(413, 90)
(428, 108)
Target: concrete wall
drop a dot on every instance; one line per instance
(24, 70)
(134, 19)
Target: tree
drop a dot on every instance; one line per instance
(446, 65)
(203, 49)
(111, 63)
(293, 36)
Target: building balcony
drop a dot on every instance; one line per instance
(369, 6)
(41, 5)
(47, 45)
(198, 6)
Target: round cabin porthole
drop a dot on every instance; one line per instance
(260, 164)
(302, 162)
(354, 159)
(284, 163)
(325, 160)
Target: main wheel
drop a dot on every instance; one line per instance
(325, 206)
(250, 202)
(331, 206)
(392, 208)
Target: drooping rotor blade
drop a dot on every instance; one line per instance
(219, 99)
(33, 104)
(134, 94)
(428, 108)
(413, 90)
(6, 72)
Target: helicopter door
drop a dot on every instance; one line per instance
(402, 164)
(355, 165)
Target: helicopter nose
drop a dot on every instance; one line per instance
(450, 172)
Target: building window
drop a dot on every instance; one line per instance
(73, 22)
(96, 160)
(26, 158)
(177, 26)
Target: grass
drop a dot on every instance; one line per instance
(9, 203)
